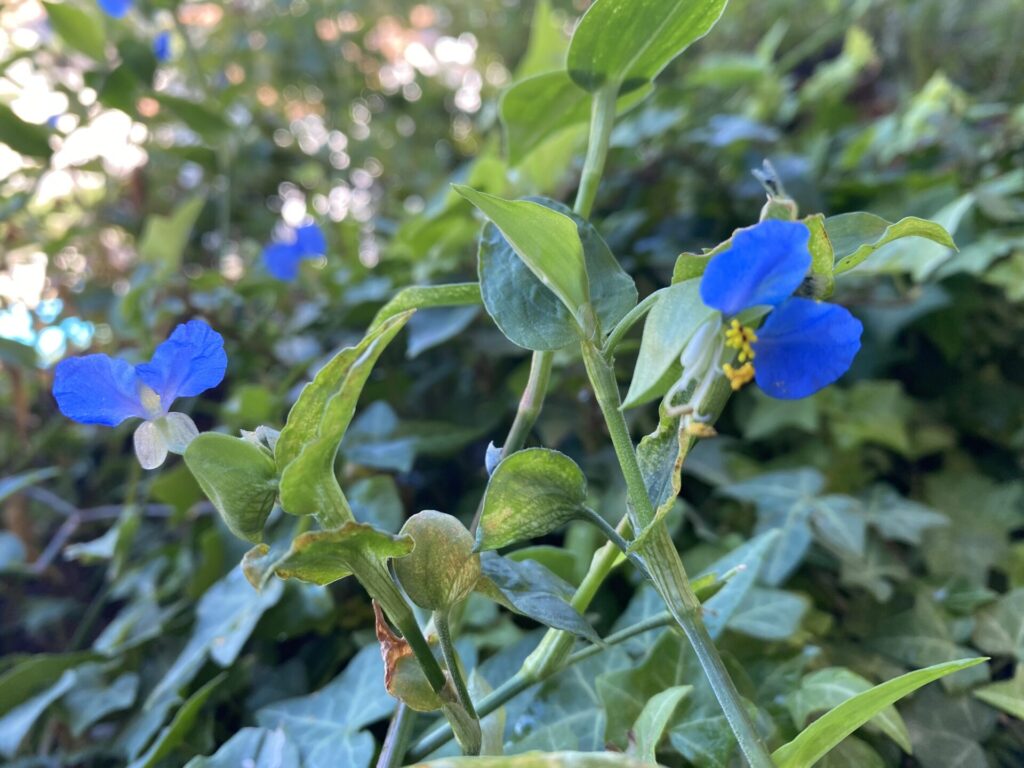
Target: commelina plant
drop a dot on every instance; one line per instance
(752, 310)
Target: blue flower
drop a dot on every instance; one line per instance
(803, 345)
(99, 389)
(115, 8)
(162, 46)
(282, 258)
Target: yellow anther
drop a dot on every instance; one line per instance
(742, 338)
(739, 376)
(700, 429)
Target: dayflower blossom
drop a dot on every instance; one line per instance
(100, 389)
(282, 258)
(162, 46)
(802, 345)
(115, 8)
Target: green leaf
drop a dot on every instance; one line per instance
(855, 236)
(226, 615)
(650, 725)
(317, 423)
(531, 493)
(526, 311)
(328, 725)
(239, 477)
(549, 244)
(548, 42)
(80, 29)
(94, 695)
(254, 747)
(769, 614)
(1007, 695)
(32, 674)
(676, 316)
(822, 257)
(427, 296)
(830, 729)
(828, 688)
(1000, 627)
(542, 760)
(628, 42)
(175, 732)
(24, 138)
(323, 557)
(18, 721)
(530, 589)
(375, 500)
(210, 124)
(442, 569)
(535, 109)
(164, 238)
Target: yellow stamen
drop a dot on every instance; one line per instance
(738, 376)
(742, 338)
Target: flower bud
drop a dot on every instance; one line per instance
(442, 568)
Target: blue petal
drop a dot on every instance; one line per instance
(764, 265)
(97, 389)
(191, 361)
(310, 240)
(804, 345)
(162, 46)
(282, 260)
(115, 8)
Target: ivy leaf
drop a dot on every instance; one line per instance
(541, 760)
(855, 236)
(95, 695)
(175, 732)
(526, 311)
(226, 615)
(769, 614)
(1007, 695)
(256, 747)
(826, 732)
(530, 589)
(676, 316)
(1000, 627)
(18, 721)
(549, 244)
(628, 42)
(239, 477)
(827, 688)
(531, 493)
(328, 726)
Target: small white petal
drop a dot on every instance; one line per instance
(150, 445)
(178, 430)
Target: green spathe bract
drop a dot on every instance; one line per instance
(442, 568)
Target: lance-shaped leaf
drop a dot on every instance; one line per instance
(308, 483)
(427, 297)
(238, 477)
(306, 416)
(530, 589)
(79, 28)
(323, 557)
(530, 494)
(628, 42)
(650, 725)
(815, 741)
(537, 108)
(547, 242)
(672, 322)
(855, 236)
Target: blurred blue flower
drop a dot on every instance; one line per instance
(803, 344)
(115, 8)
(99, 389)
(282, 258)
(162, 46)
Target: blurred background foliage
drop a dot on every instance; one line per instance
(136, 193)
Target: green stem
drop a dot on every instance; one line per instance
(631, 318)
(396, 742)
(613, 536)
(451, 659)
(520, 682)
(663, 563)
(602, 118)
